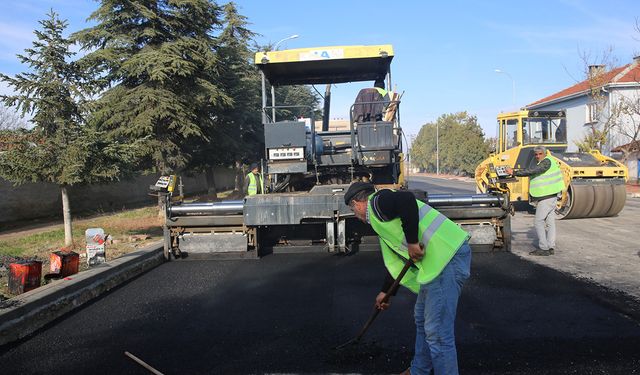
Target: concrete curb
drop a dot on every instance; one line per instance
(24, 314)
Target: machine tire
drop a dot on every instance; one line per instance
(166, 243)
(506, 233)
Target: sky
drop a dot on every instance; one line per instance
(446, 52)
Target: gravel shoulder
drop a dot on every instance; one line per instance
(605, 250)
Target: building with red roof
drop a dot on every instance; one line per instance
(605, 98)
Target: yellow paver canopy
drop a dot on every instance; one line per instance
(322, 65)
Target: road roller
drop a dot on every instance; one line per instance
(595, 183)
(307, 169)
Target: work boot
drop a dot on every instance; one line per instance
(540, 252)
(406, 372)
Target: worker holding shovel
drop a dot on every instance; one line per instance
(412, 231)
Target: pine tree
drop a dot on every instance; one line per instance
(156, 62)
(60, 148)
(235, 133)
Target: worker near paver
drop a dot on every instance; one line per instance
(379, 86)
(545, 184)
(371, 103)
(253, 183)
(439, 248)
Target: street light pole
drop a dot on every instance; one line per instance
(273, 91)
(437, 149)
(513, 85)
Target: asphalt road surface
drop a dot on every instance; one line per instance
(285, 313)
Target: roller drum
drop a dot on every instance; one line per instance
(619, 199)
(594, 200)
(602, 200)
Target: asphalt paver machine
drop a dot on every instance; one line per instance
(308, 167)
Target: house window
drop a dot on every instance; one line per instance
(592, 113)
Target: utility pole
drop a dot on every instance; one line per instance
(437, 149)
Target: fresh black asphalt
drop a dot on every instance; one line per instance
(285, 313)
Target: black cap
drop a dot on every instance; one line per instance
(253, 166)
(355, 188)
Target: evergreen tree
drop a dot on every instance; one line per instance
(60, 148)
(461, 144)
(236, 132)
(157, 63)
(237, 136)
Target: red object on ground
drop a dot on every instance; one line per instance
(24, 276)
(64, 263)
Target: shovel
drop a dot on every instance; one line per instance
(376, 311)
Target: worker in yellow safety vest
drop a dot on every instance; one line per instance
(545, 185)
(253, 183)
(371, 103)
(379, 86)
(439, 248)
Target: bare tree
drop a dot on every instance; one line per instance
(630, 108)
(625, 114)
(629, 129)
(603, 114)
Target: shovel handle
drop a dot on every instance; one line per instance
(396, 283)
(392, 289)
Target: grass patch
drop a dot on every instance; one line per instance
(28, 246)
(119, 225)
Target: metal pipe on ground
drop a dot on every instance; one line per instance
(437, 200)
